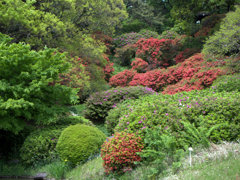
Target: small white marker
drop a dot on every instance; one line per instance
(190, 157)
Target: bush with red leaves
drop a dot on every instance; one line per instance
(157, 53)
(193, 73)
(108, 69)
(122, 79)
(120, 152)
(139, 65)
(188, 52)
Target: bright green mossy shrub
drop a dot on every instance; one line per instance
(203, 108)
(78, 142)
(226, 41)
(40, 145)
(120, 152)
(227, 83)
(71, 120)
(98, 104)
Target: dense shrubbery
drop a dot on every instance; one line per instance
(139, 65)
(133, 37)
(227, 83)
(157, 53)
(205, 108)
(119, 153)
(40, 145)
(98, 104)
(28, 92)
(193, 73)
(125, 54)
(226, 40)
(78, 142)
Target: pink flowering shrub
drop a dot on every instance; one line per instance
(139, 65)
(120, 152)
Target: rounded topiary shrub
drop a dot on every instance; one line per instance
(120, 152)
(39, 146)
(78, 142)
(98, 104)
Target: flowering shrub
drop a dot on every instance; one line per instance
(99, 103)
(139, 65)
(108, 69)
(120, 152)
(185, 54)
(193, 73)
(122, 79)
(158, 53)
(203, 108)
(133, 37)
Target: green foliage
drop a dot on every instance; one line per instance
(197, 136)
(114, 115)
(125, 54)
(227, 83)
(98, 104)
(78, 142)
(161, 151)
(39, 147)
(168, 111)
(226, 40)
(28, 93)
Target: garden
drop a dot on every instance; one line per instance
(119, 89)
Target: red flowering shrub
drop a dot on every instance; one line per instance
(188, 52)
(139, 65)
(158, 53)
(122, 79)
(120, 152)
(193, 73)
(108, 69)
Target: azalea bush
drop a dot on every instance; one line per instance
(204, 108)
(193, 73)
(99, 103)
(157, 53)
(119, 153)
(227, 83)
(122, 79)
(139, 65)
(133, 37)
